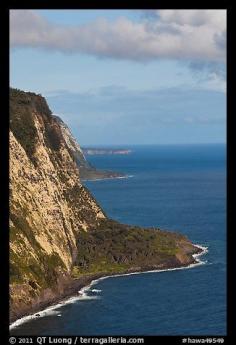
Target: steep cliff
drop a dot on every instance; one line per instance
(86, 170)
(58, 232)
(48, 204)
(73, 145)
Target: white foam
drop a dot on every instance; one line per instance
(108, 178)
(83, 295)
(195, 256)
(126, 176)
(45, 312)
(52, 310)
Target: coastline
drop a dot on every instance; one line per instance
(78, 288)
(108, 178)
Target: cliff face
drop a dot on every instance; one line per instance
(48, 204)
(72, 144)
(58, 232)
(86, 170)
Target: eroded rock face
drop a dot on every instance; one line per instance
(59, 236)
(73, 146)
(48, 204)
(86, 170)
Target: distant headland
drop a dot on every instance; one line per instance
(105, 151)
(60, 237)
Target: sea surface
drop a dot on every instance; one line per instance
(177, 188)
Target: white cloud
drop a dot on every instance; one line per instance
(215, 82)
(198, 18)
(211, 75)
(172, 34)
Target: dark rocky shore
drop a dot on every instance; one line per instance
(60, 237)
(94, 174)
(68, 287)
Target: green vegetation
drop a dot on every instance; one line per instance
(22, 122)
(77, 196)
(108, 246)
(24, 106)
(53, 136)
(43, 269)
(15, 272)
(42, 272)
(115, 247)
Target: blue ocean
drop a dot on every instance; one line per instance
(179, 188)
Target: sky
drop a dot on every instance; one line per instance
(126, 77)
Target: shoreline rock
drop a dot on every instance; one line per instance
(58, 231)
(73, 286)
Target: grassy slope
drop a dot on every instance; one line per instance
(116, 248)
(110, 248)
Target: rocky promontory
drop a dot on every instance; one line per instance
(87, 170)
(60, 238)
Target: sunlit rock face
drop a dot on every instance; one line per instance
(60, 237)
(48, 204)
